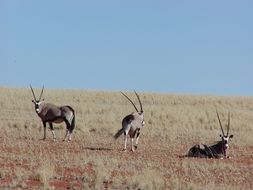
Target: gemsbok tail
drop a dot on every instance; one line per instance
(73, 122)
(119, 133)
(72, 125)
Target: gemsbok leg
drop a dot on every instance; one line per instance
(52, 130)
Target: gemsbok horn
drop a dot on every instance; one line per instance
(50, 113)
(218, 150)
(131, 124)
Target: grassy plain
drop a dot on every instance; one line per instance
(94, 160)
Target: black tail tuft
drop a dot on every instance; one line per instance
(183, 156)
(119, 133)
(72, 125)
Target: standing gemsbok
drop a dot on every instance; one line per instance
(50, 113)
(131, 124)
(218, 150)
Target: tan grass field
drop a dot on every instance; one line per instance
(94, 160)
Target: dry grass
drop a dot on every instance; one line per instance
(94, 160)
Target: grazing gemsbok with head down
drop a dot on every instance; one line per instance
(218, 150)
(50, 113)
(131, 124)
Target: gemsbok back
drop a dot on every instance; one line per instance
(218, 150)
(132, 124)
(50, 113)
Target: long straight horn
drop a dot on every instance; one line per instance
(220, 123)
(33, 93)
(41, 92)
(139, 100)
(228, 123)
(130, 101)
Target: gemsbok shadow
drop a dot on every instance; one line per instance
(98, 148)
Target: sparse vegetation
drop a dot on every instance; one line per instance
(94, 159)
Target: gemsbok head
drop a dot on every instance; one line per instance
(132, 124)
(218, 150)
(50, 113)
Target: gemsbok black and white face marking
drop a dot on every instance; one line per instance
(37, 106)
(218, 150)
(225, 140)
(132, 124)
(50, 113)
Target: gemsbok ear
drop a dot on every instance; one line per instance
(231, 136)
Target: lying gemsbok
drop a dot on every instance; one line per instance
(50, 113)
(218, 150)
(131, 124)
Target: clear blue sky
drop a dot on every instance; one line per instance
(189, 47)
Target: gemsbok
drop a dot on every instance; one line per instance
(218, 150)
(132, 124)
(50, 113)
